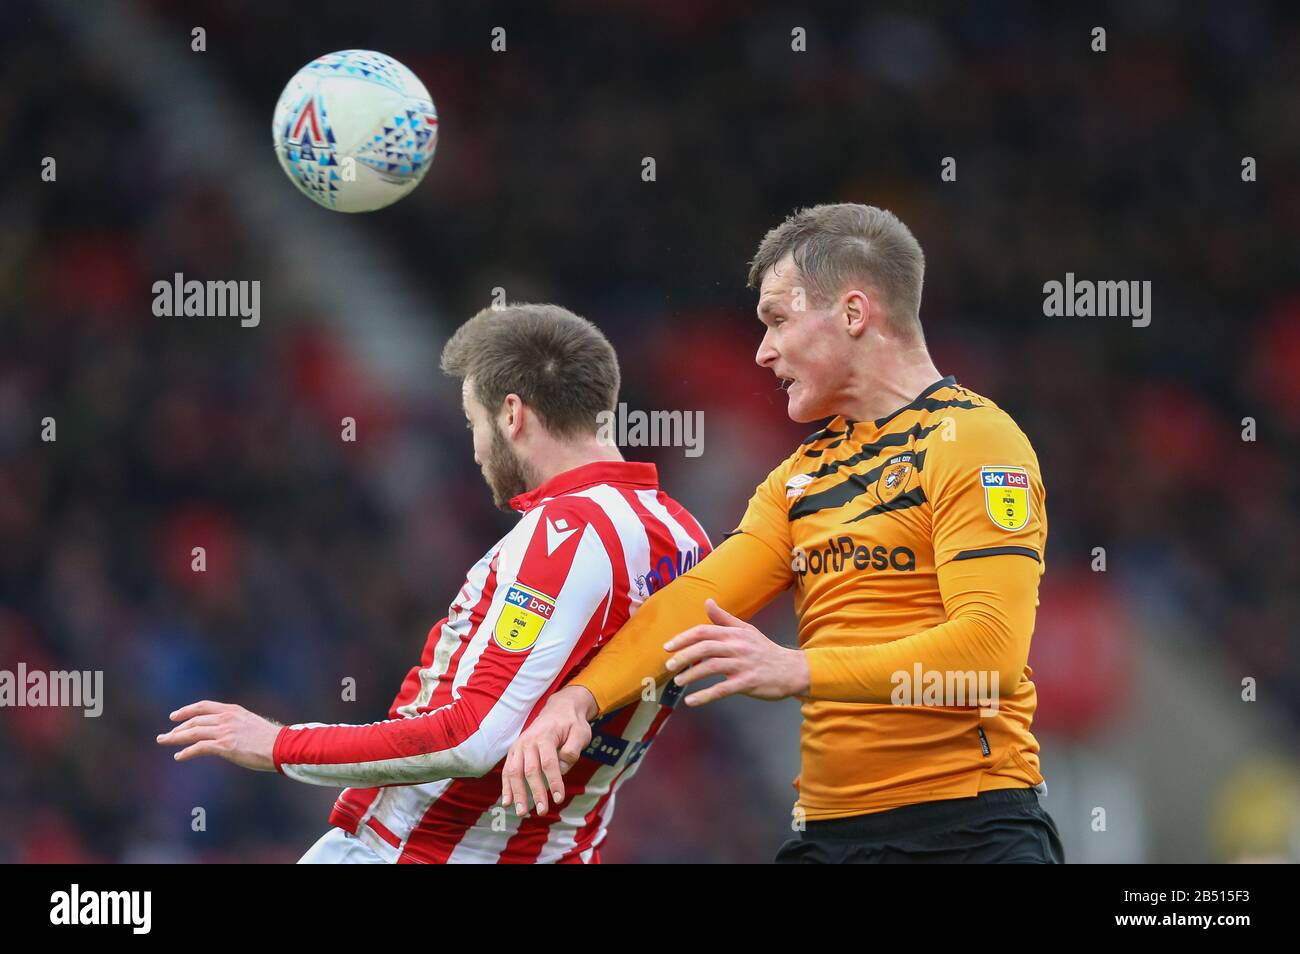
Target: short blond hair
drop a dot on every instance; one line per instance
(835, 245)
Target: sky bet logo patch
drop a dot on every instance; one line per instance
(1006, 496)
(522, 617)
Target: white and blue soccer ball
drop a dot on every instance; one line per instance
(355, 130)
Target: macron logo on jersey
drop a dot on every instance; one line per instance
(557, 533)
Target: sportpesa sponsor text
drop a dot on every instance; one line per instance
(843, 552)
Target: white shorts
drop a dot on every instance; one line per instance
(337, 847)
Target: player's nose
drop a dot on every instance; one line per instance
(766, 353)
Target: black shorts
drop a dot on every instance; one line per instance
(1006, 826)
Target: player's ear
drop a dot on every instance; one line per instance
(856, 308)
(512, 414)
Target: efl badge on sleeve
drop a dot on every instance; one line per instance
(522, 617)
(897, 472)
(1006, 496)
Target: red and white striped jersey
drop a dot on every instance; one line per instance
(592, 545)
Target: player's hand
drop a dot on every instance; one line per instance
(548, 748)
(230, 731)
(752, 663)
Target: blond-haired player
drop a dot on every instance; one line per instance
(912, 530)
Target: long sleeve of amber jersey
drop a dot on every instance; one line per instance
(914, 539)
(742, 575)
(990, 604)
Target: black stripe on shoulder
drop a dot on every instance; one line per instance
(932, 404)
(947, 382)
(999, 551)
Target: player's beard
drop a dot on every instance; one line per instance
(507, 476)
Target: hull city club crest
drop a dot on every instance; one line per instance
(898, 471)
(1006, 496)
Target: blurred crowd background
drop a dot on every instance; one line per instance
(329, 560)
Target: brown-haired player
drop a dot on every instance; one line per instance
(595, 538)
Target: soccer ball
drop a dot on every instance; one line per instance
(355, 130)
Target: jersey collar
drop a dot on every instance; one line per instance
(626, 472)
(947, 382)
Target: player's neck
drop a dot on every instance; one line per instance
(890, 382)
(563, 457)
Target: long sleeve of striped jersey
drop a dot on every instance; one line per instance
(550, 589)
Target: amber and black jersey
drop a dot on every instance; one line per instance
(914, 543)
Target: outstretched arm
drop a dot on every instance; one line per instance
(228, 731)
(538, 624)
